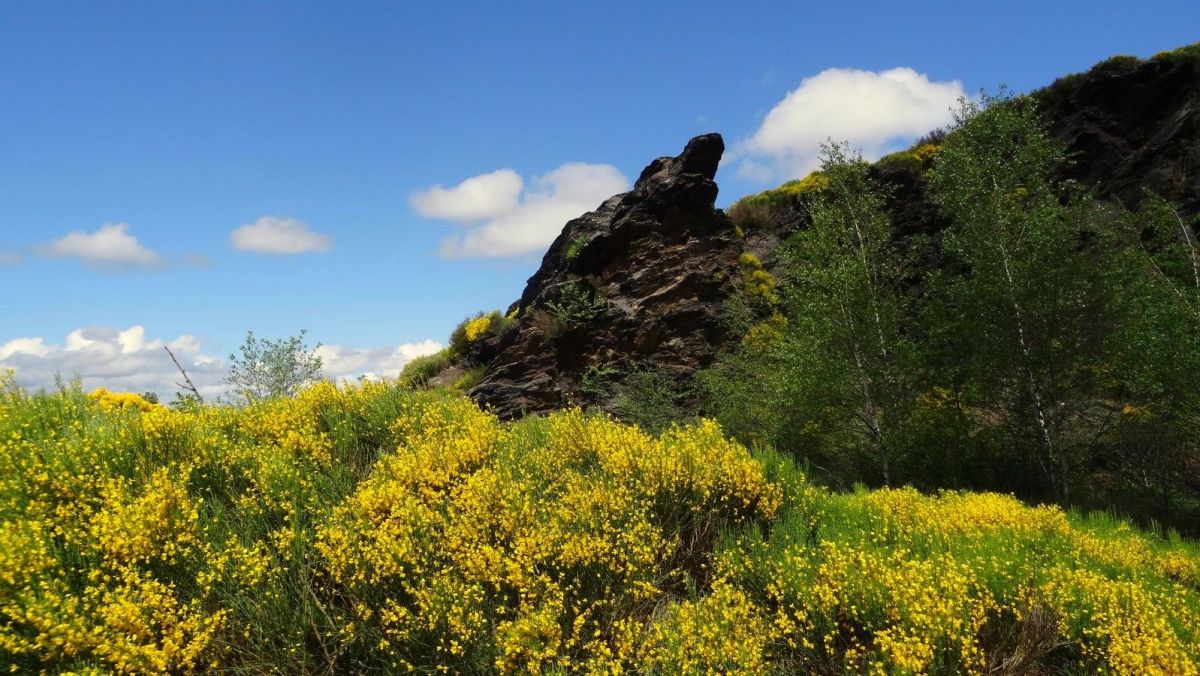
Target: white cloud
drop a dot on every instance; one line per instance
(119, 360)
(504, 220)
(875, 112)
(348, 363)
(278, 235)
(476, 199)
(126, 360)
(33, 346)
(109, 247)
(9, 258)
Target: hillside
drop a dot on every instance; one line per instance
(372, 528)
(639, 283)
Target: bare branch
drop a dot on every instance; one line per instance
(189, 384)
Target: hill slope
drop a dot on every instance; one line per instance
(370, 528)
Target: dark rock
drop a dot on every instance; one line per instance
(653, 266)
(1130, 124)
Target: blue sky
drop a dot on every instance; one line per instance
(137, 138)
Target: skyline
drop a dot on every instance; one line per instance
(178, 176)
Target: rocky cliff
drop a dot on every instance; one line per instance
(637, 283)
(640, 282)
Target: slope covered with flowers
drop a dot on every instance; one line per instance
(373, 528)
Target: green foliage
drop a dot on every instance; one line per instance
(577, 304)
(1020, 327)
(754, 211)
(419, 370)
(596, 379)
(832, 376)
(1181, 54)
(470, 378)
(1054, 351)
(477, 327)
(576, 246)
(652, 400)
(266, 369)
(917, 159)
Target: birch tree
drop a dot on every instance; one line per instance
(1023, 319)
(848, 357)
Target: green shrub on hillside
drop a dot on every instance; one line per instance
(418, 371)
(478, 327)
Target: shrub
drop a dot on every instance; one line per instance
(418, 371)
(917, 160)
(478, 327)
(373, 529)
(267, 369)
(577, 304)
(651, 400)
(576, 246)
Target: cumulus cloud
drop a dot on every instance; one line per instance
(476, 199)
(122, 360)
(109, 247)
(503, 217)
(876, 112)
(348, 363)
(127, 360)
(278, 235)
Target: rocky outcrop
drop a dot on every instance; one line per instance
(1130, 124)
(639, 282)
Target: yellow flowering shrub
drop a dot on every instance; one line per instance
(118, 400)
(373, 528)
(477, 327)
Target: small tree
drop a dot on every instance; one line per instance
(834, 374)
(266, 369)
(846, 307)
(1022, 323)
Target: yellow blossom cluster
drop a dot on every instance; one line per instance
(373, 528)
(118, 400)
(478, 326)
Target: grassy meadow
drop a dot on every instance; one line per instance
(373, 528)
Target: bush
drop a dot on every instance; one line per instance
(577, 304)
(652, 400)
(418, 371)
(267, 369)
(477, 327)
(373, 529)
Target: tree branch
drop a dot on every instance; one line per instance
(189, 384)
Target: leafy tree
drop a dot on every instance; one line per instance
(845, 310)
(1157, 351)
(1021, 328)
(266, 369)
(837, 371)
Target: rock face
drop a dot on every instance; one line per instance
(640, 281)
(1130, 124)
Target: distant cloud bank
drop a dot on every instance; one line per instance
(500, 216)
(877, 112)
(125, 360)
(279, 236)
